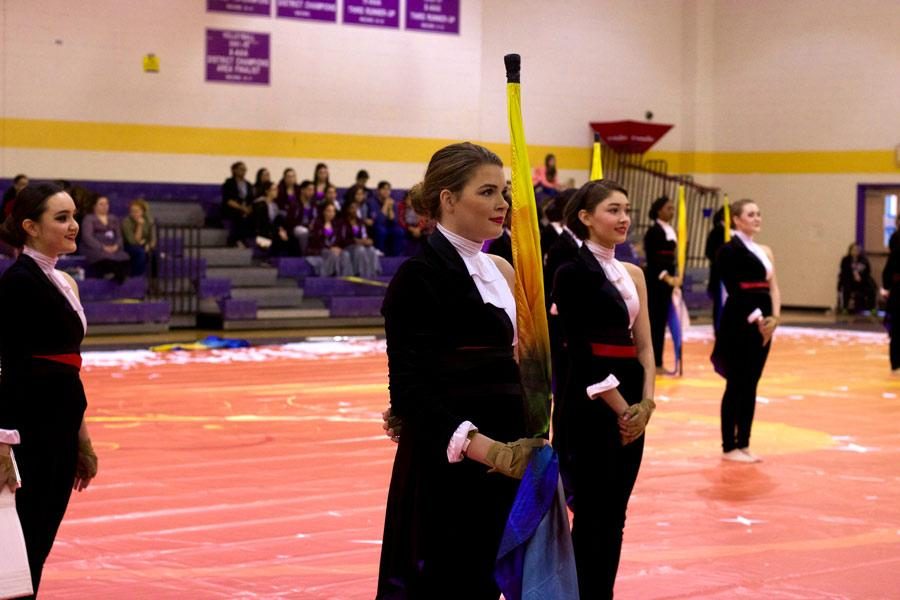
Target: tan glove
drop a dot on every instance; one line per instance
(634, 420)
(391, 425)
(86, 467)
(511, 459)
(7, 473)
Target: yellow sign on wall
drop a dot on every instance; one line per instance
(151, 63)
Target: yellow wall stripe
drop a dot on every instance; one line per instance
(170, 139)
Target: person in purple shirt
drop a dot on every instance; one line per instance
(101, 242)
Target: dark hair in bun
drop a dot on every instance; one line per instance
(30, 203)
(587, 198)
(450, 168)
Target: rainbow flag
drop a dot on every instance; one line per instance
(531, 314)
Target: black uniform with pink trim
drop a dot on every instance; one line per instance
(41, 396)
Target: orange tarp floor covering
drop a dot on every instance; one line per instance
(263, 473)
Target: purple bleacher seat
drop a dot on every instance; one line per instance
(215, 287)
(71, 261)
(237, 309)
(99, 290)
(354, 306)
(295, 267)
(5, 263)
(106, 313)
(324, 287)
(390, 264)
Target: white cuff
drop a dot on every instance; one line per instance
(755, 316)
(458, 441)
(662, 275)
(598, 388)
(9, 436)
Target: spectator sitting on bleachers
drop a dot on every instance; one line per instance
(327, 241)
(331, 195)
(416, 227)
(299, 219)
(263, 179)
(20, 182)
(544, 177)
(363, 255)
(101, 242)
(237, 201)
(855, 283)
(362, 180)
(356, 193)
(287, 191)
(387, 232)
(139, 235)
(271, 238)
(321, 181)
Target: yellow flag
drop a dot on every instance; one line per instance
(596, 164)
(531, 314)
(727, 219)
(682, 231)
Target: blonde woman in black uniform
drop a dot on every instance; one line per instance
(42, 400)
(609, 390)
(749, 318)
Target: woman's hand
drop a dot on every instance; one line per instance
(391, 425)
(767, 328)
(7, 471)
(633, 421)
(511, 459)
(86, 467)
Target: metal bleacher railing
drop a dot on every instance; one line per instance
(179, 267)
(647, 180)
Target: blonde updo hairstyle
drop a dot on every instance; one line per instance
(450, 168)
(737, 208)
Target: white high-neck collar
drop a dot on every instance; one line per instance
(464, 246)
(601, 253)
(44, 261)
(668, 229)
(744, 237)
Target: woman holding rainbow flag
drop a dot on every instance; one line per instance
(450, 323)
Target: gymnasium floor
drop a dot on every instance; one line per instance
(262, 473)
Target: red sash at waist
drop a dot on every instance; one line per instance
(667, 252)
(754, 285)
(613, 351)
(73, 360)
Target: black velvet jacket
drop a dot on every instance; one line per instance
(36, 320)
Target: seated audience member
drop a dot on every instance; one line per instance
(270, 235)
(321, 181)
(856, 284)
(9, 196)
(331, 195)
(362, 180)
(327, 241)
(263, 179)
(101, 242)
(416, 227)
(288, 191)
(299, 219)
(387, 232)
(363, 255)
(237, 205)
(355, 193)
(139, 236)
(544, 178)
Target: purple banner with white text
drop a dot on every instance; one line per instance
(377, 13)
(237, 56)
(311, 10)
(440, 16)
(245, 7)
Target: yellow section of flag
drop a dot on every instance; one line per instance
(682, 231)
(531, 314)
(727, 219)
(596, 161)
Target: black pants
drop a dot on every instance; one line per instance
(895, 341)
(604, 486)
(659, 300)
(739, 402)
(47, 466)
